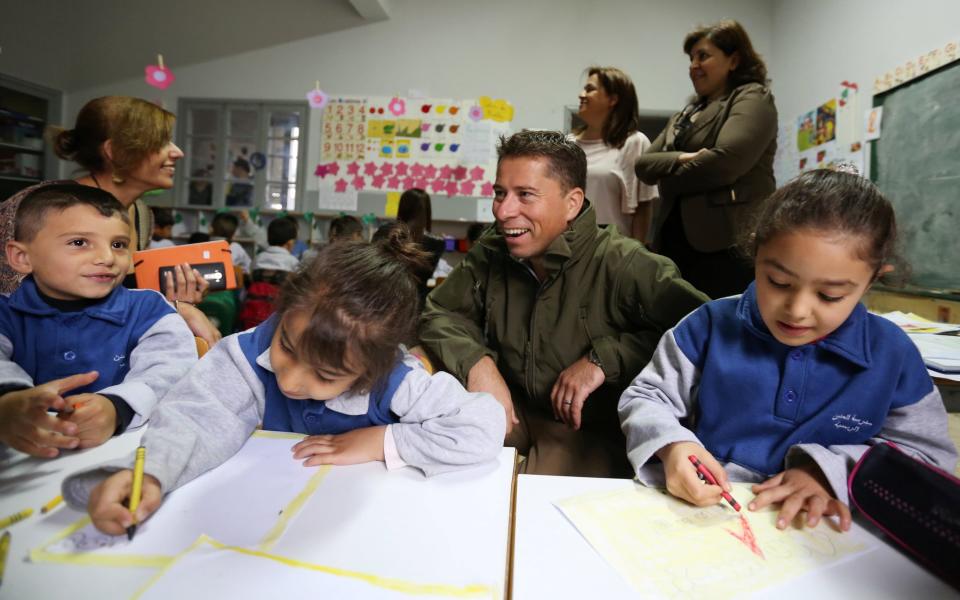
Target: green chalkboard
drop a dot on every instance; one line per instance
(916, 163)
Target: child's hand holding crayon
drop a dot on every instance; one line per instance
(682, 478)
(95, 417)
(109, 502)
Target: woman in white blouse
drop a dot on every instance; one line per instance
(612, 143)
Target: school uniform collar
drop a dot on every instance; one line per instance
(850, 341)
(580, 232)
(111, 308)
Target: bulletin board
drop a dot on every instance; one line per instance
(390, 144)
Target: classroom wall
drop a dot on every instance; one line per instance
(819, 43)
(531, 52)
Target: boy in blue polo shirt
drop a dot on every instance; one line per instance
(71, 327)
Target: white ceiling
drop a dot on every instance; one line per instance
(73, 44)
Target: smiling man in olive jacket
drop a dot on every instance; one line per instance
(552, 314)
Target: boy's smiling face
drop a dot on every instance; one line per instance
(77, 254)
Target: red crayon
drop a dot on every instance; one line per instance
(707, 476)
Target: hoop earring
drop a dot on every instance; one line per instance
(117, 179)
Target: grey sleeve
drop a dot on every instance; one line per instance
(203, 420)
(655, 402)
(919, 429)
(443, 426)
(162, 356)
(10, 372)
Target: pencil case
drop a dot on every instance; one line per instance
(917, 505)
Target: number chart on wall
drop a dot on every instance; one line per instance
(390, 144)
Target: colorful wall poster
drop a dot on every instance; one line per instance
(806, 131)
(826, 122)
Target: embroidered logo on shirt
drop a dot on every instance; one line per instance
(850, 422)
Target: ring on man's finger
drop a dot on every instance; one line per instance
(568, 403)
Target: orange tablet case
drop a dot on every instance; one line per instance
(212, 259)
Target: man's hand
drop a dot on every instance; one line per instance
(573, 386)
(350, 448)
(26, 425)
(485, 377)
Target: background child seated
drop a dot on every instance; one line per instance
(345, 229)
(71, 327)
(224, 227)
(327, 364)
(789, 383)
(269, 270)
(162, 228)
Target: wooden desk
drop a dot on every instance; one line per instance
(451, 528)
(552, 560)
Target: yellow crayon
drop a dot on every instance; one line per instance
(4, 550)
(23, 514)
(137, 487)
(51, 505)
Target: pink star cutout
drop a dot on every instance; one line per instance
(408, 182)
(378, 181)
(437, 185)
(486, 189)
(386, 169)
(460, 173)
(321, 171)
(333, 168)
(451, 188)
(393, 183)
(430, 172)
(417, 170)
(466, 188)
(358, 183)
(340, 185)
(353, 168)
(476, 173)
(402, 169)
(370, 168)
(445, 172)
(420, 182)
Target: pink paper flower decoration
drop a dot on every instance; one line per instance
(321, 171)
(460, 173)
(370, 168)
(393, 182)
(378, 181)
(476, 173)
(451, 188)
(486, 189)
(358, 183)
(340, 185)
(353, 168)
(397, 106)
(317, 99)
(476, 113)
(401, 169)
(466, 188)
(159, 77)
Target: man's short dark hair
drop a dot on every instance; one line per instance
(567, 162)
(281, 230)
(224, 225)
(36, 204)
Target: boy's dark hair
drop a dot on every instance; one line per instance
(281, 230)
(361, 301)
(415, 210)
(730, 37)
(624, 117)
(345, 227)
(832, 201)
(162, 217)
(566, 160)
(224, 225)
(36, 204)
(198, 237)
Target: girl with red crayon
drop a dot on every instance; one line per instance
(788, 384)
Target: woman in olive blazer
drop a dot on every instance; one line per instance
(714, 161)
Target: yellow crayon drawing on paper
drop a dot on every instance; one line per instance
(209, 568)
(670, 549)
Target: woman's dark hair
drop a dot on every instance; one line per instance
(730, 37)
(832, 201)
(414, 210)
(624, 117)
(361, 302)
(136, 129)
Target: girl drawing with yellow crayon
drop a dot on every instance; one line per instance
(327, 364)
